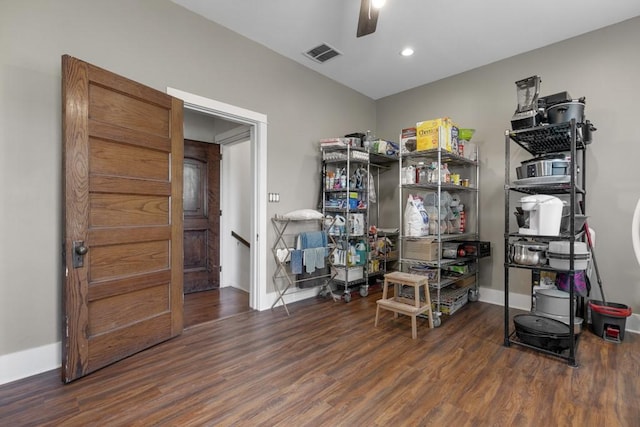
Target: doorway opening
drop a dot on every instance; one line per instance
(257, 125)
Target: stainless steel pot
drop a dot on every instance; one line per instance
(565, 111)
(528, 253)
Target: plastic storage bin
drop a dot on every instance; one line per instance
(609, 320)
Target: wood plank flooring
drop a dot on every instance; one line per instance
(326, 365)
(201, 307)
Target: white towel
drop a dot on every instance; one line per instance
(309, 257)
(321, 253)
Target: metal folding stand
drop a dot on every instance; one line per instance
(285, 242)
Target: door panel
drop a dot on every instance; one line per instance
(201, 201)
(195, 254)
(112, 210)
(110, 158)
(195, 186)
(113, 261)
(131, 306)
(128, 284)
(123, 157)
(110, 347)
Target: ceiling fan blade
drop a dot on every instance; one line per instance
(368, 18)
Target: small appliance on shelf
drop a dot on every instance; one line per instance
(527, 114)
(546, 165)
(545, 215)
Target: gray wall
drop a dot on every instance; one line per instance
(603, 66)
(159, 44)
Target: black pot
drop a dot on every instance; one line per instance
(565, 111)
(542, 332)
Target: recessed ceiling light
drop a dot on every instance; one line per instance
(407, 51)
(378, 3)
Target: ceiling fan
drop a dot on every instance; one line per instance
(368, 18)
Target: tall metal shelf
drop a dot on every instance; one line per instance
(440, 285)
(384, 262)
(538, 141)
(337, 203)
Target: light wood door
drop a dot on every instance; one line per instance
(123, 154)
(201, 201)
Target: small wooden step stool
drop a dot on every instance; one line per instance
(400, 305)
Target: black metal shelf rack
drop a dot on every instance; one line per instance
(539, 141)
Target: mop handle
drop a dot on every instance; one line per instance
(586, 227)
(588, 233)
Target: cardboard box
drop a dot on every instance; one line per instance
(466, 282)
(392, 255)
(421, 249)
(431, 134)
(408, 135)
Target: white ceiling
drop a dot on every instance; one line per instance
(448, 36)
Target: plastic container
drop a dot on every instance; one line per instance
(609, 320)
(361, 253)
(430, 272)
(336, 226)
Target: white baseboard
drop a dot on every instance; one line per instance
(22, 364)
(523, 302)
(32, 361)
(294, 295)
(496, 297)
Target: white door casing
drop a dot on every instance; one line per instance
(258, 141)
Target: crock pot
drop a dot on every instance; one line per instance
(577, 321)
(559, 258)
(542, 332)
(552, 301)
(565, 111)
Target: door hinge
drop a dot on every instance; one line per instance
(220, 268)
(220, 212)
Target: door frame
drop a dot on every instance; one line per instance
(230, 250)
(258, 141)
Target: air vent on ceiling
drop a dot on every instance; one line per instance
(322, 53)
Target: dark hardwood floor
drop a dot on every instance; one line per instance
(201, 307)
(327, 365)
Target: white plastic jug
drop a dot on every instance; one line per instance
(336, 226)
(356, 224)
(361, 253)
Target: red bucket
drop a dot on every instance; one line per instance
(608, 320)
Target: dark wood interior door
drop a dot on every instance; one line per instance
(201, 201)
(123, 154)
